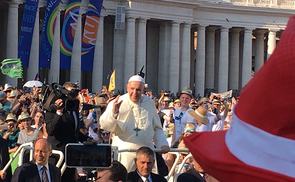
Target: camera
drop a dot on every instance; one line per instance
(54, 91)
(90, 155)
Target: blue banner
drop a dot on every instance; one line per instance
(68, 31)
(26, 31)
(89, 35)
(47, 33)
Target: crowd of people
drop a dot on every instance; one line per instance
(68, 114)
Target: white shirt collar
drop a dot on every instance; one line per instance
(40, 172)
(144, 178)
(40, 166)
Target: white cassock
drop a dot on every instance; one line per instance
(137, 125)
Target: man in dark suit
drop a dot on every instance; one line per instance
(39, 170)
(4, 158)
(62, 120)
(62, 123)
(144, 162)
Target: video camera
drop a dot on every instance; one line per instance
(90, 155)
(55, 91)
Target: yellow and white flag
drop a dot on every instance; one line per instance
(112, 83)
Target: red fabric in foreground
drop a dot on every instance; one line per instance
(267, 101)
(210, 151)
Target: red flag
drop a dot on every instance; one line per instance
(260, 144)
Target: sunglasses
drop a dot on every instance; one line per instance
(105, 133)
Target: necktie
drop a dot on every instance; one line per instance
(44, 177)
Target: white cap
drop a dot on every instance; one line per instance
(136, 78)
(7, 86)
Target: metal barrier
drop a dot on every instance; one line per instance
(176, 152)
(29, 146)
(62, 165)
(15, 155)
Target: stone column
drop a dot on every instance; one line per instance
(259, 51)
(164, 55)
(174, 58)
(75, 72)
(118, 58)
(210, 58)
(247, 57)
(234, 61)
(53, 75)
(12, 35)
(33, 68)
(271, 42)
(141, 45)
(129, 68)
(200, 62)
(185, 56)
(223, 60)
(97, 73)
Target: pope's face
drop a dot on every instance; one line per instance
(135, 90)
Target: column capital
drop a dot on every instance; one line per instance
(273, 30)
(236, 30)
(259, 32)
(142, 19)
(187, 24)
(42, 3)
(224, 29)
(201, 27)
(62, 6)
(15, 3)
(103, 14)
(211, 28)
(202, 24)
(130, 19)
(175, 22)
(84, 7)
(248, 30)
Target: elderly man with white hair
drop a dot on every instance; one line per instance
(134, 122)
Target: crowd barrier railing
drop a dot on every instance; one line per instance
(29, 146)
(62, 165)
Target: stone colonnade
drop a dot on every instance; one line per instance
(176, 54)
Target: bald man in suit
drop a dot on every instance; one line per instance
(39, 170)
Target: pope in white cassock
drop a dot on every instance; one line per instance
(134, 122)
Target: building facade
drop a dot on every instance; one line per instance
(207, 45)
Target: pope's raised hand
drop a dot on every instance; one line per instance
(116, 105)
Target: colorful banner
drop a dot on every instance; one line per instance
(26, 31)
(47, 33)
(89, 35)
(68, 33)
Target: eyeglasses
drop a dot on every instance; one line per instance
(105, 133)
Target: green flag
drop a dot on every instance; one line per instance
(12, 68)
